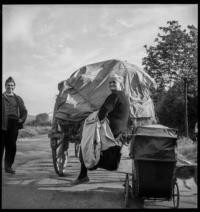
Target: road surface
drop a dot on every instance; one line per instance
(36, 185)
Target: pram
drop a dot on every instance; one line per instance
(153, 157)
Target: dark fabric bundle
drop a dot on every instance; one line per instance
(110, 158)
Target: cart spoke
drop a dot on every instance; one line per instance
(59, 143)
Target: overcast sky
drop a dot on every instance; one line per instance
(45, 44)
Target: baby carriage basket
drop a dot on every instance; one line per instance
(153, 164)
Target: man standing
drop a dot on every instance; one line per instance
(14, 114)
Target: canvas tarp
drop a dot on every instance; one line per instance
(87, 88)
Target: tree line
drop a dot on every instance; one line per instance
(41, 119)
(172, 62)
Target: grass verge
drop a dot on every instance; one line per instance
(31, 131)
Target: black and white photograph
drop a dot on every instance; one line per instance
(99, 106)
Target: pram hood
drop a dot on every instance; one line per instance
(156, 130)
(155, 142)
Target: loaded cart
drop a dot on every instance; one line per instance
(84, 92)
(154, 160)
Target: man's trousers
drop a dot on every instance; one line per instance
(8, 143)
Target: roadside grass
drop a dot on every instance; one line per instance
(31, 131)
(187, 148)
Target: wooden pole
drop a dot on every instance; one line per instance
(186, 108)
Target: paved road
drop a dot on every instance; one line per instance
(35, 184)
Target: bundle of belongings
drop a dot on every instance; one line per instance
(98, 145)
(82, 95)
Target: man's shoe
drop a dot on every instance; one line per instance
(81, 180)
(10, 170)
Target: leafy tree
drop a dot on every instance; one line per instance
(173, 58)
(171, 62)
(170, 109)
(42, 117)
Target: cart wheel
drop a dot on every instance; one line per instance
(76, 149)
(175, 195)
(126, 191)
(59, 155)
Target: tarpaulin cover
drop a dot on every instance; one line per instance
(154, 142)
(87, 88)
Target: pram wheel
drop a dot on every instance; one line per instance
(126, 191)
(175, 195)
